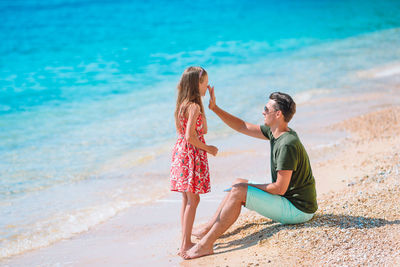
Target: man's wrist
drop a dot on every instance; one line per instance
(214, 108)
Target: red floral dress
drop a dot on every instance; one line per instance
(189, 170)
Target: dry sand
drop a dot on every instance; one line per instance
(358, 225)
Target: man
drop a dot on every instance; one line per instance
(289, 199)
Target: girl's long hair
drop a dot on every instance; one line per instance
(189, 92)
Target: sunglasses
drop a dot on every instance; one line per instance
(266, 111)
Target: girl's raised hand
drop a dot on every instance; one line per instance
(213, 102)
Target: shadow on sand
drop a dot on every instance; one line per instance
(270, 228)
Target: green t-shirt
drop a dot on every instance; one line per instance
(288, 153)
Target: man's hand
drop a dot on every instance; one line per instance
(213, 102)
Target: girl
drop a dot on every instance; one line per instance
(189, 170)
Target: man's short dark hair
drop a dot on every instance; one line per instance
(285, 104)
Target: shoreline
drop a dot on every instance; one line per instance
(115, 239)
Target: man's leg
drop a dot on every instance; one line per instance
(228, 215)
(202, 231)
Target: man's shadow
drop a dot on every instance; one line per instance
(325, 220)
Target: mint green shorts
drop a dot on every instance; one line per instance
(275, 207)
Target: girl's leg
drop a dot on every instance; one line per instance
(184, 203)
(183, 209)
(188, 219)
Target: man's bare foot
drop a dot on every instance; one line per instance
(185, 248)
(197, 251)
(200, 232)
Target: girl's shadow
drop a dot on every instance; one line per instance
(325, 220)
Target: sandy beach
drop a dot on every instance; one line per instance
(353, 143)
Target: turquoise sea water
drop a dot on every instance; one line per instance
(87, 90)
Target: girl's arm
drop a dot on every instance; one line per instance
(191, 134)
(205, 129)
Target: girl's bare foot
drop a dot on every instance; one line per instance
(197, 251)
(185, 248)
(200, 232)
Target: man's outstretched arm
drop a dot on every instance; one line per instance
(234, 122)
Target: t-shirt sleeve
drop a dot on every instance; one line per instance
(266, 131)
(287, 158)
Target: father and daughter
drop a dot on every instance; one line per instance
(289, 199)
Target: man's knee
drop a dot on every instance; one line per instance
(240, 180)
(239, 192)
